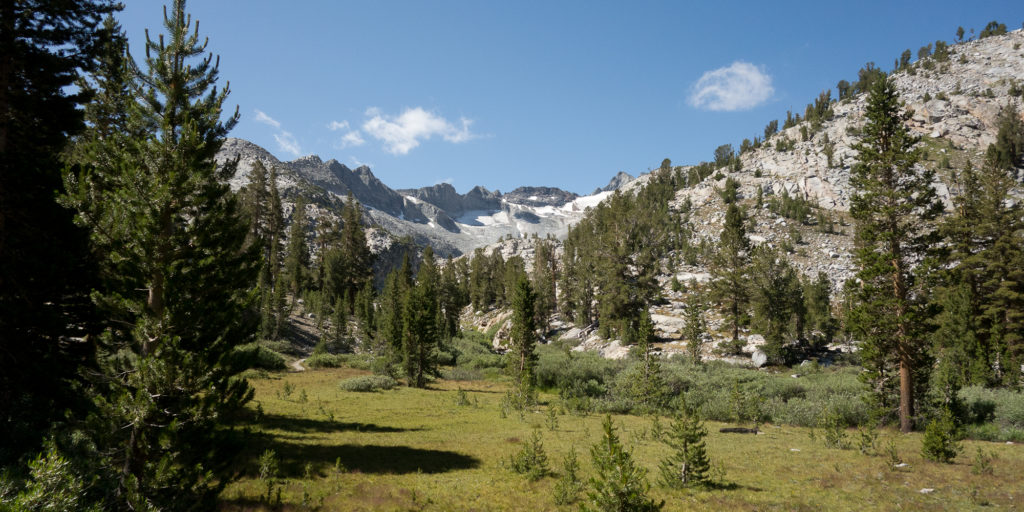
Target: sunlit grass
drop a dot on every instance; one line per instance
(409, 449)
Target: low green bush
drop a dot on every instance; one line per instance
(473, 350)
(324, 360)
(367, 383)
(359, 361)
(255, 355)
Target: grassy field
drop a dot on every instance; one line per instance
(409, 449)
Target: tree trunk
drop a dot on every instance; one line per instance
(906, 394)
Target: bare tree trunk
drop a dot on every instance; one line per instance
(906, 393)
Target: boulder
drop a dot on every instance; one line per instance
(759, 358)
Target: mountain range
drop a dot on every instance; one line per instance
(452, 223)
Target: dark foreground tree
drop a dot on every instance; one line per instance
(177, 280)
(893, 206)
(44, 268)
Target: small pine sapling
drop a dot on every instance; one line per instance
(619, 484)
(531, 461)
(688, 465)
(569, 485)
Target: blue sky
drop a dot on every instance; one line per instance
(543, 93)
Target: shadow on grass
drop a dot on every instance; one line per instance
(310, 425)
(293, 458)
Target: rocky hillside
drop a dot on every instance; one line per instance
(955, 105)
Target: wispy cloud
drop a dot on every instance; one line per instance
(400, 134)
(285, 140)
(740, 86)
(337, 125)
(288, 143)
(358, 163)
(262, 117)
(352, 139)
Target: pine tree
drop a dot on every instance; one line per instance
(688, 465)
(523, 339)
(620, 484)
(1008, 150)
(893, 206)
(569, 485)
(729, 267)
(255, 202)
(296, 265)
(543, 278)
(778, 301)
(696, 327)
(366, 314)
(349, 264)
(46, 270)
(451, 300)
(818, 307)
(275, 225)
(420, 333)
(176, 279)
(650, 387)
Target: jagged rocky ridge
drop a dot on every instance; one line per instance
(438, 216)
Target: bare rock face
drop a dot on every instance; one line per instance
(539, 196)
(617, 182)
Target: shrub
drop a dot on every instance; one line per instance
(323, 360)
(463, 374)
(993, 414)
(359, 361)
(833, 430)
(255, 355)
(585, 372)
(941, 436)
(473, 350)
(366, 383)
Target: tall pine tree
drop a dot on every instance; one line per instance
(729, 267)
(893, 207)
(523, 337)
(420, 332)
(177, 276)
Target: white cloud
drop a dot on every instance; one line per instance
(335, 126)
(740, 86)
(352, 139)
(262, 117)
(287, 142)
(403, 133)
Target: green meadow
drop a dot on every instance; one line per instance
(447, 448)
